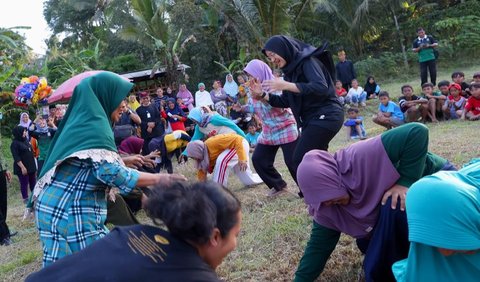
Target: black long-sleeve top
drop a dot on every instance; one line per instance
(22, 151)
(317, 102)
(345, 71)
(150, 114)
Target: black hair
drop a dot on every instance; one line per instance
(383, 94)
(192, 211)
(420, 29)
(443, 83)
(458, 73)
(406, 86)
(427, 84)
(352, 110)
(475, 85)
(338, 80)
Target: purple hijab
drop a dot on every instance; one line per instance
(363, 170)
(186, 96)
(25, 124)
(260, 71)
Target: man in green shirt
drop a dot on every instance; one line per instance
(425, 46)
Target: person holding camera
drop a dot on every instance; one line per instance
(425, 46)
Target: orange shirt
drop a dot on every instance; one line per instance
(219, 143)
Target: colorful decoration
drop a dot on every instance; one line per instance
(32, 91)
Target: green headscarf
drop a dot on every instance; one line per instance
(443, 211)
(86, 124)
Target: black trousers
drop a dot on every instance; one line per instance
(263, 158)
(4, 232)
(313, 137)
(428, 67)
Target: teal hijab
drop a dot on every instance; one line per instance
(443, 211)
(86, 124)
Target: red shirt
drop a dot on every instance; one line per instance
(473, 105)
(341, 91)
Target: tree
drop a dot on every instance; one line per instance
(151, 29)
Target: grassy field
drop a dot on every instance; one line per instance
(274, 231)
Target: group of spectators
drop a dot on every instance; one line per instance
(359, 190)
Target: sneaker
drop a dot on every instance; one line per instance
(273, 192)
(363, 104)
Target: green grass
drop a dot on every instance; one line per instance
(274, 231)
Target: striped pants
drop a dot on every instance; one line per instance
(228, 160)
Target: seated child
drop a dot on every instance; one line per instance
(435, 100)
(389, 114)
(472, 108)
(459, 77)
(341, 92)
(371, 88)
(356, 95)
(476, 77)
(221, 153)
(443, 87)
(455, 103)
(354, 125)
(411, 105)
(252, 135)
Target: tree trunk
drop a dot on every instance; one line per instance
(400, 38)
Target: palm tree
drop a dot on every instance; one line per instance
(151, 29)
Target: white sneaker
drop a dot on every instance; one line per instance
(363, 104)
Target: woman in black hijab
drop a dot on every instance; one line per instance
(308, 89)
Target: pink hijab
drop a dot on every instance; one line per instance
(363, 170)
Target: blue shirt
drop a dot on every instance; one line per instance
(393, 108)
(252, 138)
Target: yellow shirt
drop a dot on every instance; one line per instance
(219, 143)
(173, 141)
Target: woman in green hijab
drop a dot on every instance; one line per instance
(81, 164)
(443, 212)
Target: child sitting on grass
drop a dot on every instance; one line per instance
(252, 136)
(389, 114)
(476, 77)
(356, 95)
(472, 108)
(435, 100)
(443, 87)
(455, 103)
(459, 77)
(341, 92)
(354, 125)
(411, 105)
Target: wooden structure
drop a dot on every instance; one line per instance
(145, 81)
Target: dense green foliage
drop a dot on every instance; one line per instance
(218, 36)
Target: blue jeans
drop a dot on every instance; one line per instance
(360, 98)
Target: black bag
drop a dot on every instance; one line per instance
(120, 132)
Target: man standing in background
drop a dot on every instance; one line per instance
(425, 46)
(345, 70)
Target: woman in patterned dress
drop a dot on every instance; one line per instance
(83, 161)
